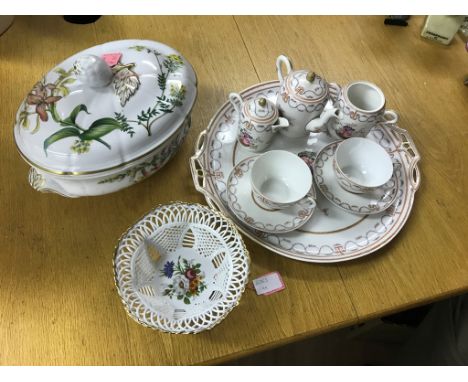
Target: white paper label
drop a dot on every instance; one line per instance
(268, 284)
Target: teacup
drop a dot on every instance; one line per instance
(357, 108)
(280, 179)
(361, 165)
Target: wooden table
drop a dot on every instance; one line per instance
(58, 302)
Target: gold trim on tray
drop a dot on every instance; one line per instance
(335, 231)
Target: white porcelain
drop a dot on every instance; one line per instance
(197, 279)
(93, 71)
(280, 179)
(357, 108)
(90, 127)
(258, 122)
(302, 97)
(361, 165)
(332, 234)
(245, 206)
(365, 203)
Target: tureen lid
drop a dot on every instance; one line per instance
(306, 86)
(105, 107)
(261, 110)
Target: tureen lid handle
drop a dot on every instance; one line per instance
(93, 71)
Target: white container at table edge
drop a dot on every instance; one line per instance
(92, 129)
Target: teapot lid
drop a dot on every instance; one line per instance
(105, 107)
(261, 111)
(306, 86)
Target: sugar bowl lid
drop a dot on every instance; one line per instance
(261, 111)
(105, 107)
(306, 86)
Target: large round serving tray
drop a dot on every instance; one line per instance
(332, 234)
(199, 277)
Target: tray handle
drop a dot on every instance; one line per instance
(199, 173)
(407, 146)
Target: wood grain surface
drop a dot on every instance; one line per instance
(58, 302)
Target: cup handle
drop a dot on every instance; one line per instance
(311, 199)
(334, 90)
(236, 101)
(286, 61)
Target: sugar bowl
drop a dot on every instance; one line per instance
(259, 120)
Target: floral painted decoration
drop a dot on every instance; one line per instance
(345, 132)
(41, 96)
(187, 279)
(246, 139)
(42, 102)
(308, 157)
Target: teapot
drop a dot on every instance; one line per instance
(259, 120)
(302, 97)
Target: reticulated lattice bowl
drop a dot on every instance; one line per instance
(197, 276)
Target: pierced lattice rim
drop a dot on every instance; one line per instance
(144, 315)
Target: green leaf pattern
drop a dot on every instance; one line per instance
(45, 96)
(145, 169)
(187, 279)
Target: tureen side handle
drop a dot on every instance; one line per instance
(42, 183)
(286, 61)
(200, 174)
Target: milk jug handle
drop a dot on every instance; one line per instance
(236, 101)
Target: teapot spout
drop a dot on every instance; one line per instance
(318, 125)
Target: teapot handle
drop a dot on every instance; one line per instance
(286, 61)
(334, 90)
(236, 101)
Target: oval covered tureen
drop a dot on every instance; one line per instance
(106, 118)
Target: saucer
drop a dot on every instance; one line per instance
(366, 203)
(243, 205)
